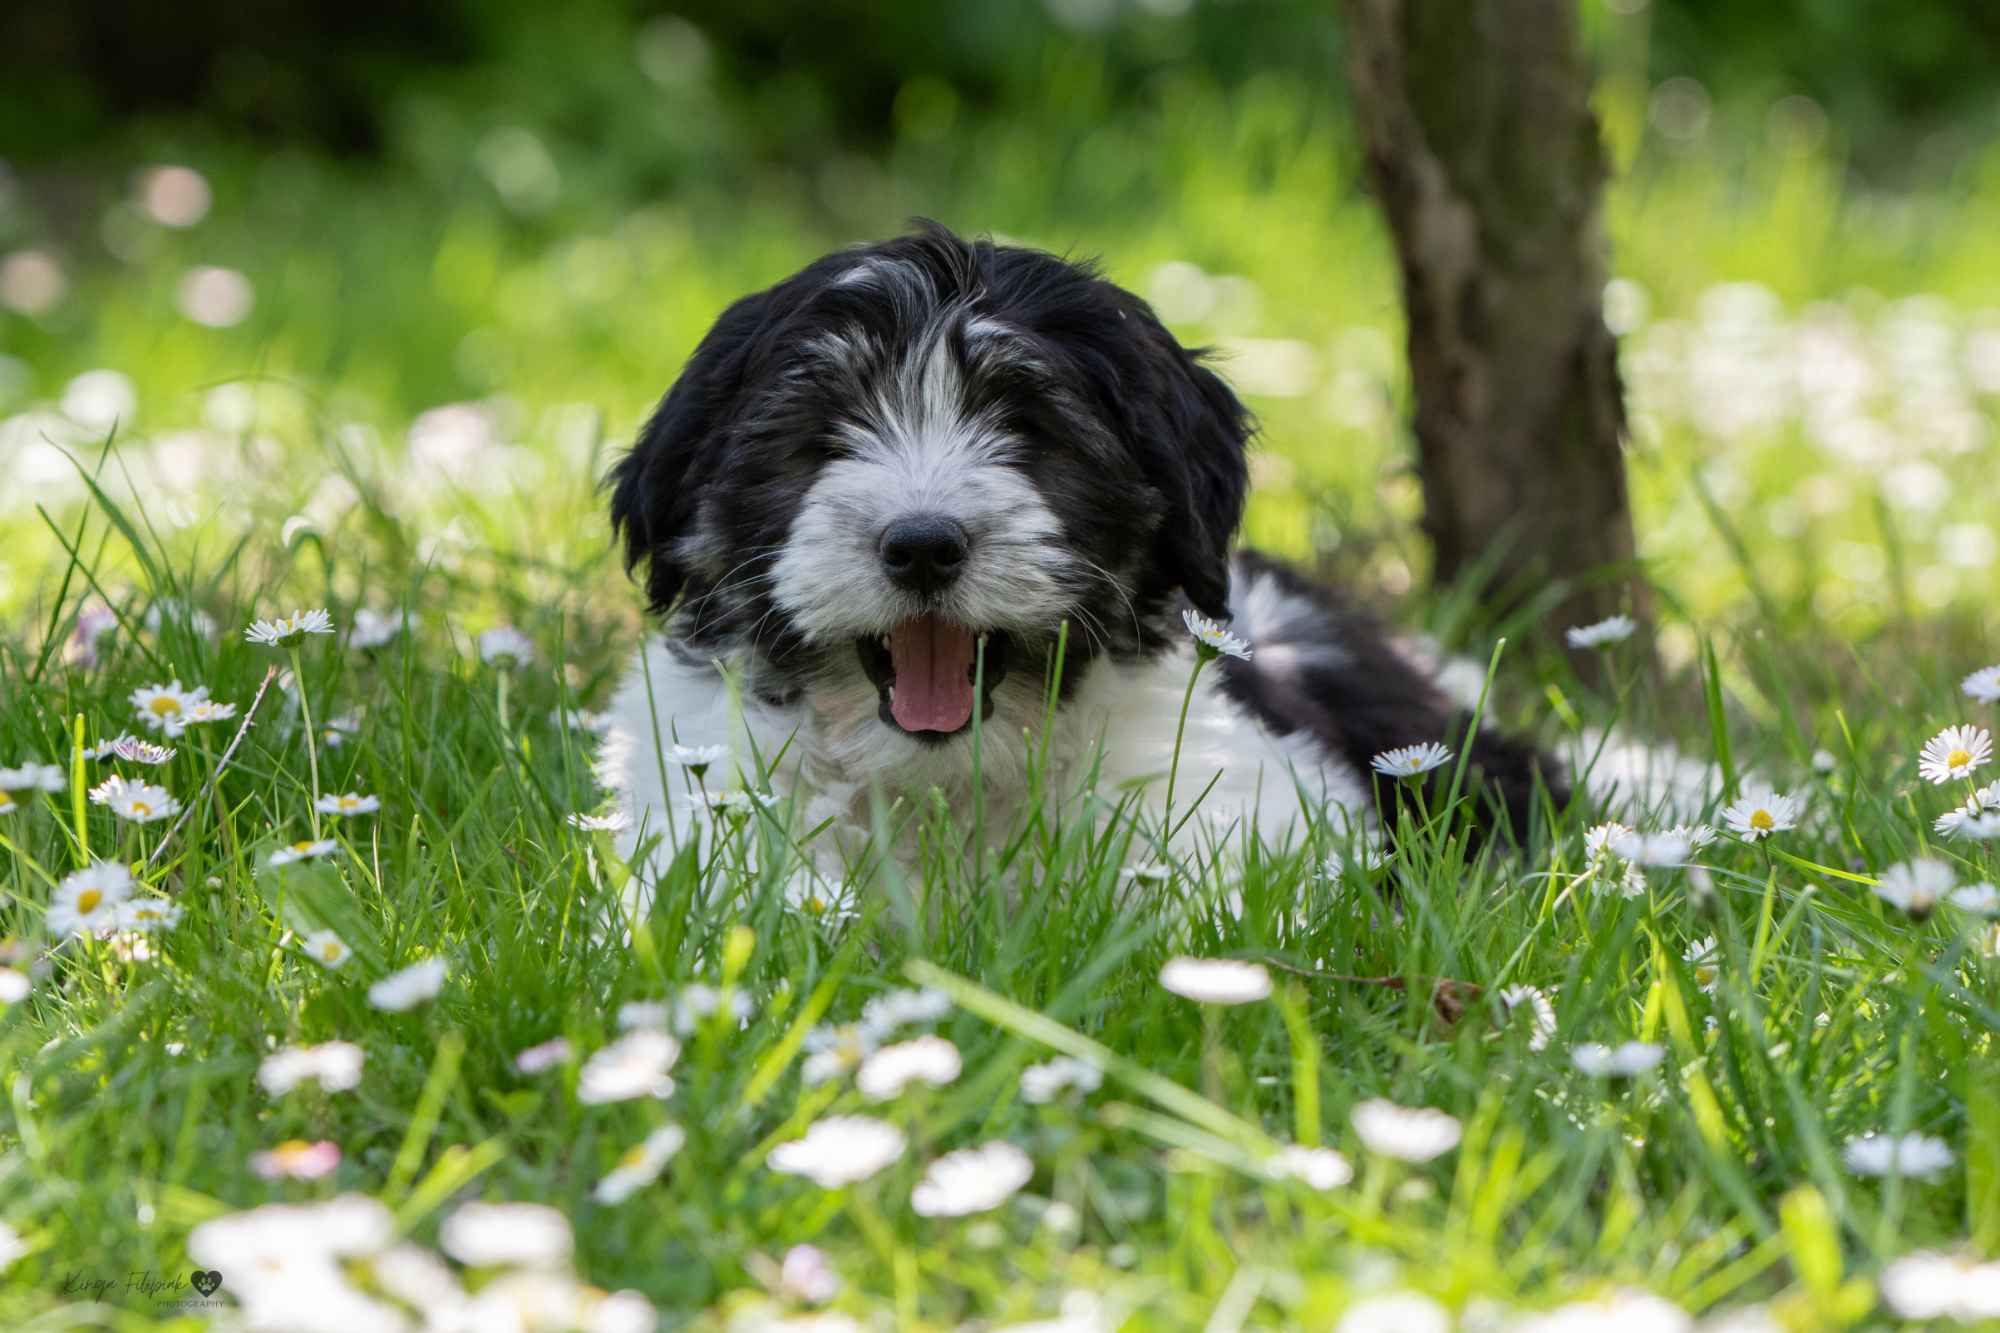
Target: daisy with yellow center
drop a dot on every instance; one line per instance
(207, 710)
(349, 803)
(141, 915)
(640, 1165)
(7, 803)
(327, 949)
(140, 802)
(302, 851)
(297, 1160)
(165, 708)
(1954, 752)
(1410, 761)
(88, 900)
(1211, 640)
(1760, 813)
(285, 631)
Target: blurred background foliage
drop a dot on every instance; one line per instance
(318, 261)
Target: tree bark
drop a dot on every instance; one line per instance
(1484, 153)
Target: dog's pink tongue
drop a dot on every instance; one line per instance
(933, 661)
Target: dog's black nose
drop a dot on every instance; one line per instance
(924, 552)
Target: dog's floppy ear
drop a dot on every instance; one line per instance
(654, 486)
(1193, 436)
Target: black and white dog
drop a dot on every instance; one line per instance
(881, 489)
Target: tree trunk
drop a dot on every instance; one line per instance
(1485, 155)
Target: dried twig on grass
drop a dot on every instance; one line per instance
(242, 730)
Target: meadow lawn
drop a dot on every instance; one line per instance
(1747, 1079)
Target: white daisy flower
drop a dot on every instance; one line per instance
(1406, 1133)
(1926, 1286)
(972, 1180)
(1614, 629)
(1361, 860)
(140, 802)
(8, 805)
(892, 1010)
(697, 759)
(1395, 1312)
(698, 1001)
(1211, 639)
(839, 1150)
(1696, 836)
(1601, 840)
(1761, 812)
(143, 915)
(334, 1065)
(1916, 1155)
(409, 987)
(1321, 1168)
(1967, 820)
(135, 750)
(641, 1165)
(163, 708)
(88, 899)
(1704, 959)
(1621, 1061)
(1823, 761)
(33, 777)
(612, 821)
(835, 1049)
(1216, 980)
(1983, 685)
(507, 1235)
(1980, 899)
(285, 631)
(1982, 828)
(829, 904)
(303, 851)
(415, 1276)
(296, 1159)
(327, 949)
(636, 1065)
(733, 804)
(1043, 1083)
(350, 803)
(336, 731)
(542, 1057)
(14, 986)
(207, 710)
(643, 1014)
(1916, 886)
(928, 1059)
(1409, 761)
(505, 646)
(1624, 1311)
(1652, 849)
(806, 1276)
(1954, 753)
(282, 1243)
(1541, 1013)
(372, 628)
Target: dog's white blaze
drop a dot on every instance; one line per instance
(920, 452)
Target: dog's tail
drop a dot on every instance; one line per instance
(1323, 667)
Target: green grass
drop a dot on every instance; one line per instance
(133, 1104)
(1811, 596)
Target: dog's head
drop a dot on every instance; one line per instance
(913, 449)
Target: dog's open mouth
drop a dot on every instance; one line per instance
(926, 671)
